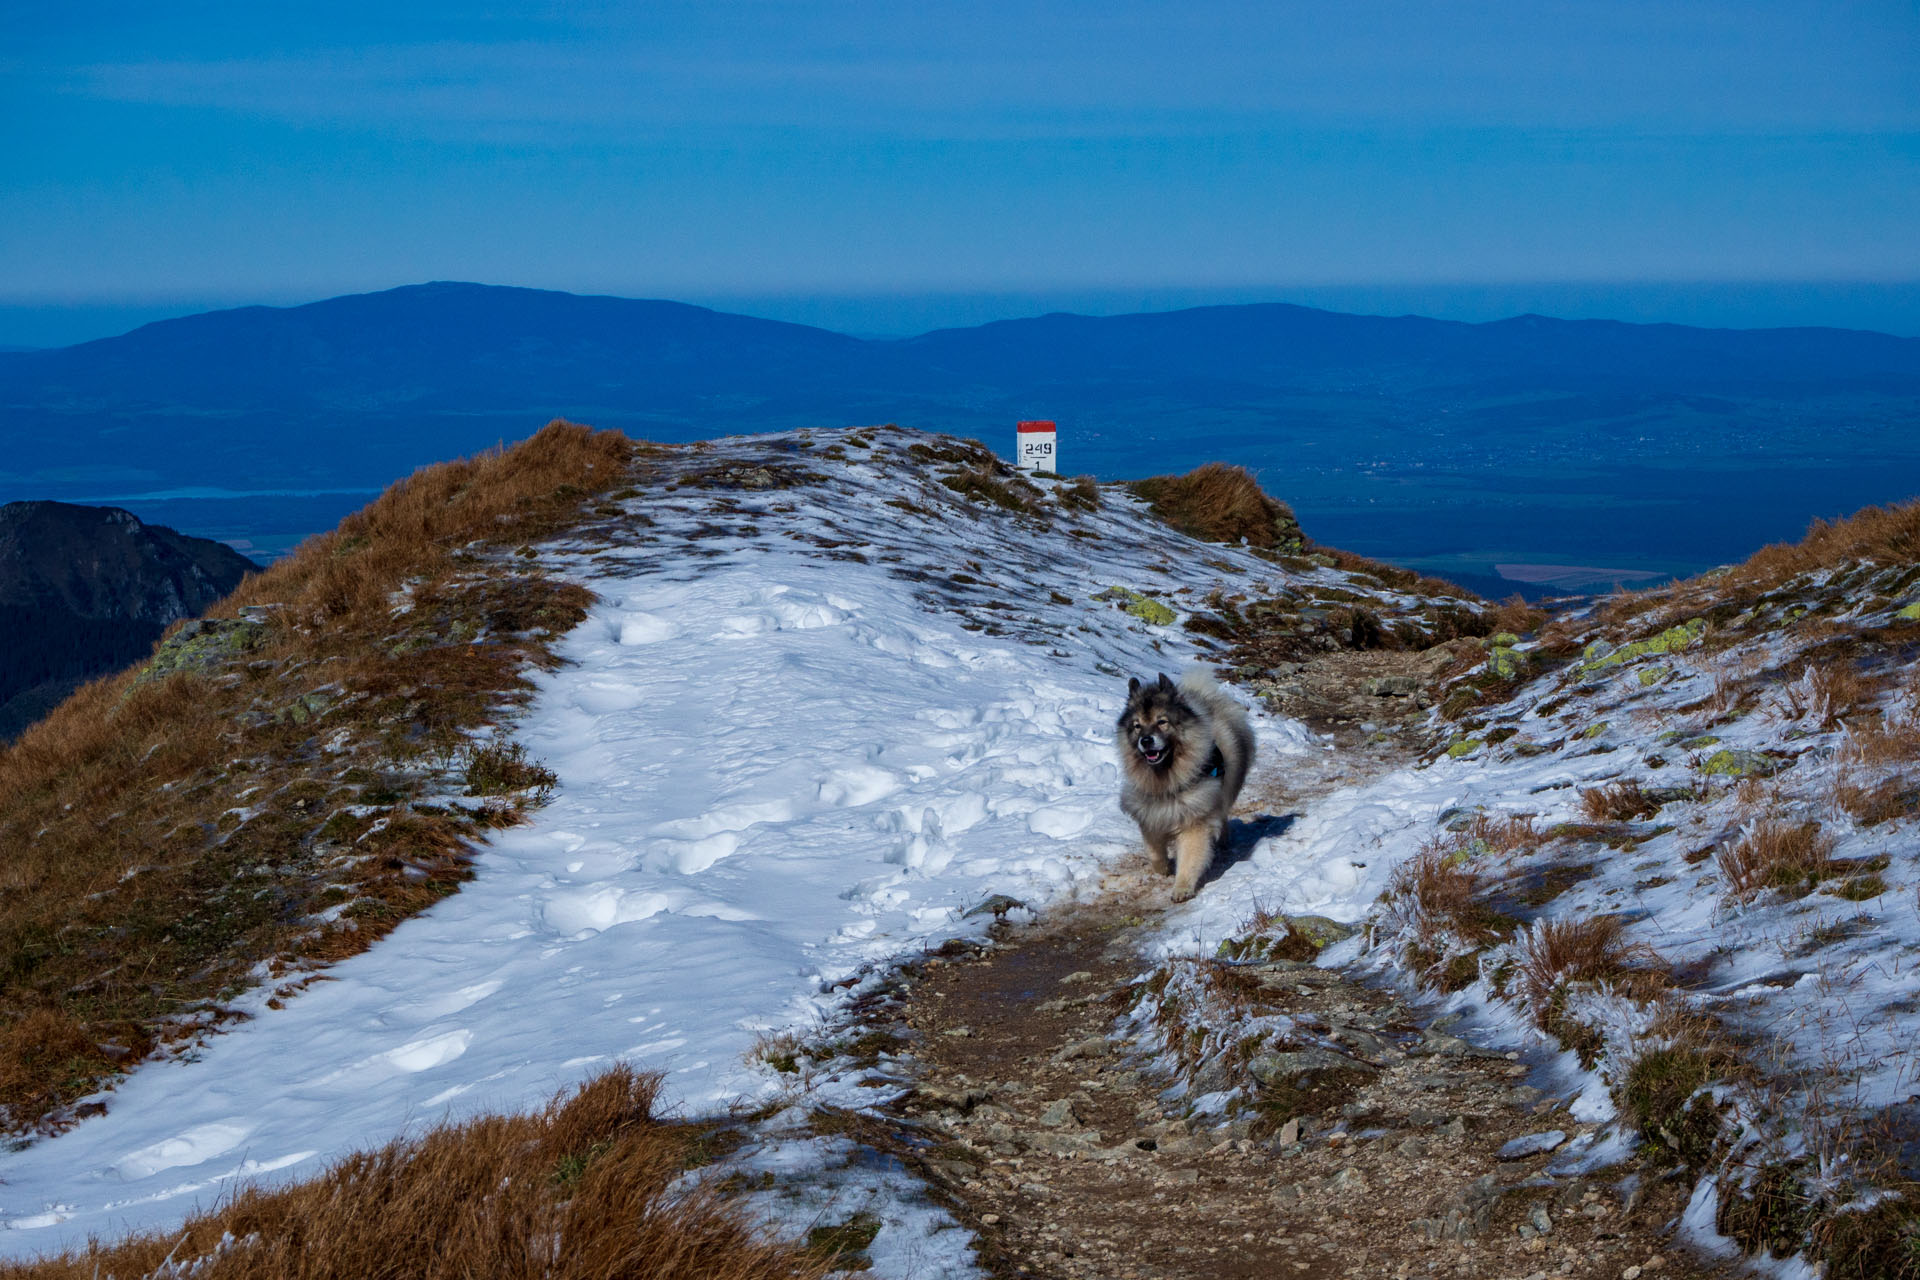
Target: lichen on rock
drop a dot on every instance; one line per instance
(1506, 662)
(1733, 762)
(204, 645)
(1144, 607)
(1599, 658)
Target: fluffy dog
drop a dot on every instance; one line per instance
(1184, 752)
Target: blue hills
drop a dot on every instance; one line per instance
(1656, 447)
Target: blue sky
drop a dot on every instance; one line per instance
(830, 157)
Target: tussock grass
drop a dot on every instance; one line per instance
(1221, 503)
(1665, 1091)
(1082, 493)
(1889, 535)
(1772, 853)
(584, 1190)
(1442, 924)
(1269, 935)
(1553, 954)
(1435, 886)
(1506, 833)
(1825, 693)
(1621, 801)
(1870, 804)
(995, 483)
(502, 768)
(1515, 614)
(1885, 535)
(1893, 738)
(162, 834)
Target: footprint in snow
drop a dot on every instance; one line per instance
(195, 1146)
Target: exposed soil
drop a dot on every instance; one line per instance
(1054, 1143)
(1362, 696)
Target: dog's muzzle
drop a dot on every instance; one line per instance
(1152, 748)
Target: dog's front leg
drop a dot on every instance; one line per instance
(1192, 851)
(1156, 852)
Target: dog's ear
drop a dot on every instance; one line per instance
(1165, 683)
(1133, 685)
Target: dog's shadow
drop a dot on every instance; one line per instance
(1241, 836)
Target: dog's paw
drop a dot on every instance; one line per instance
(1182, 892)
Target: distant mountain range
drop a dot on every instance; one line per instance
(87, 590)
(1572, 442)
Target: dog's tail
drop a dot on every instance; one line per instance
(1232, 735)
(1199, 681)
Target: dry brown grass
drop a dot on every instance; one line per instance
(1621, 801)
(1220, 503)
(581, 1191)
(1733, 683)
(1082, 493)
(1888, 800)
(1889, 535)
(1506, 833)
(1434, 884)
(1890, 742)
(1772, 853)
(997, 483)
(1405, 580)
(1434, 893)
(1516, 615)
(1826, 693)
(1269, 935)
(1893, 737)
(1555, 953)
(163, 836)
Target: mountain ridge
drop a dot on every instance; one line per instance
(538, 323)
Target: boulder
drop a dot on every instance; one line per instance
(1274, 1068)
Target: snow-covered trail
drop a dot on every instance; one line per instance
(776, 767)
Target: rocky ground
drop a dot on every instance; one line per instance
(1421, 1154)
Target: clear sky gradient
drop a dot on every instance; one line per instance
(856, 163)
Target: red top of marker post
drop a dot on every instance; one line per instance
(1025, 427)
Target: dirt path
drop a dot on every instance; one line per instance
(1055, 1144)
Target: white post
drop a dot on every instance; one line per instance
(1034, 449)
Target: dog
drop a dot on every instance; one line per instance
(1184, 752)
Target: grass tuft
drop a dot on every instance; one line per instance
(1664, 1090)
(1775, 854)
(1433, 898)
(1554, 954)
(1221, 503)
(501, 767)
(1082, 493)
(995, 484)
(1621, 801)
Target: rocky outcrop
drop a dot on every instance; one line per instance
(87, 590)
